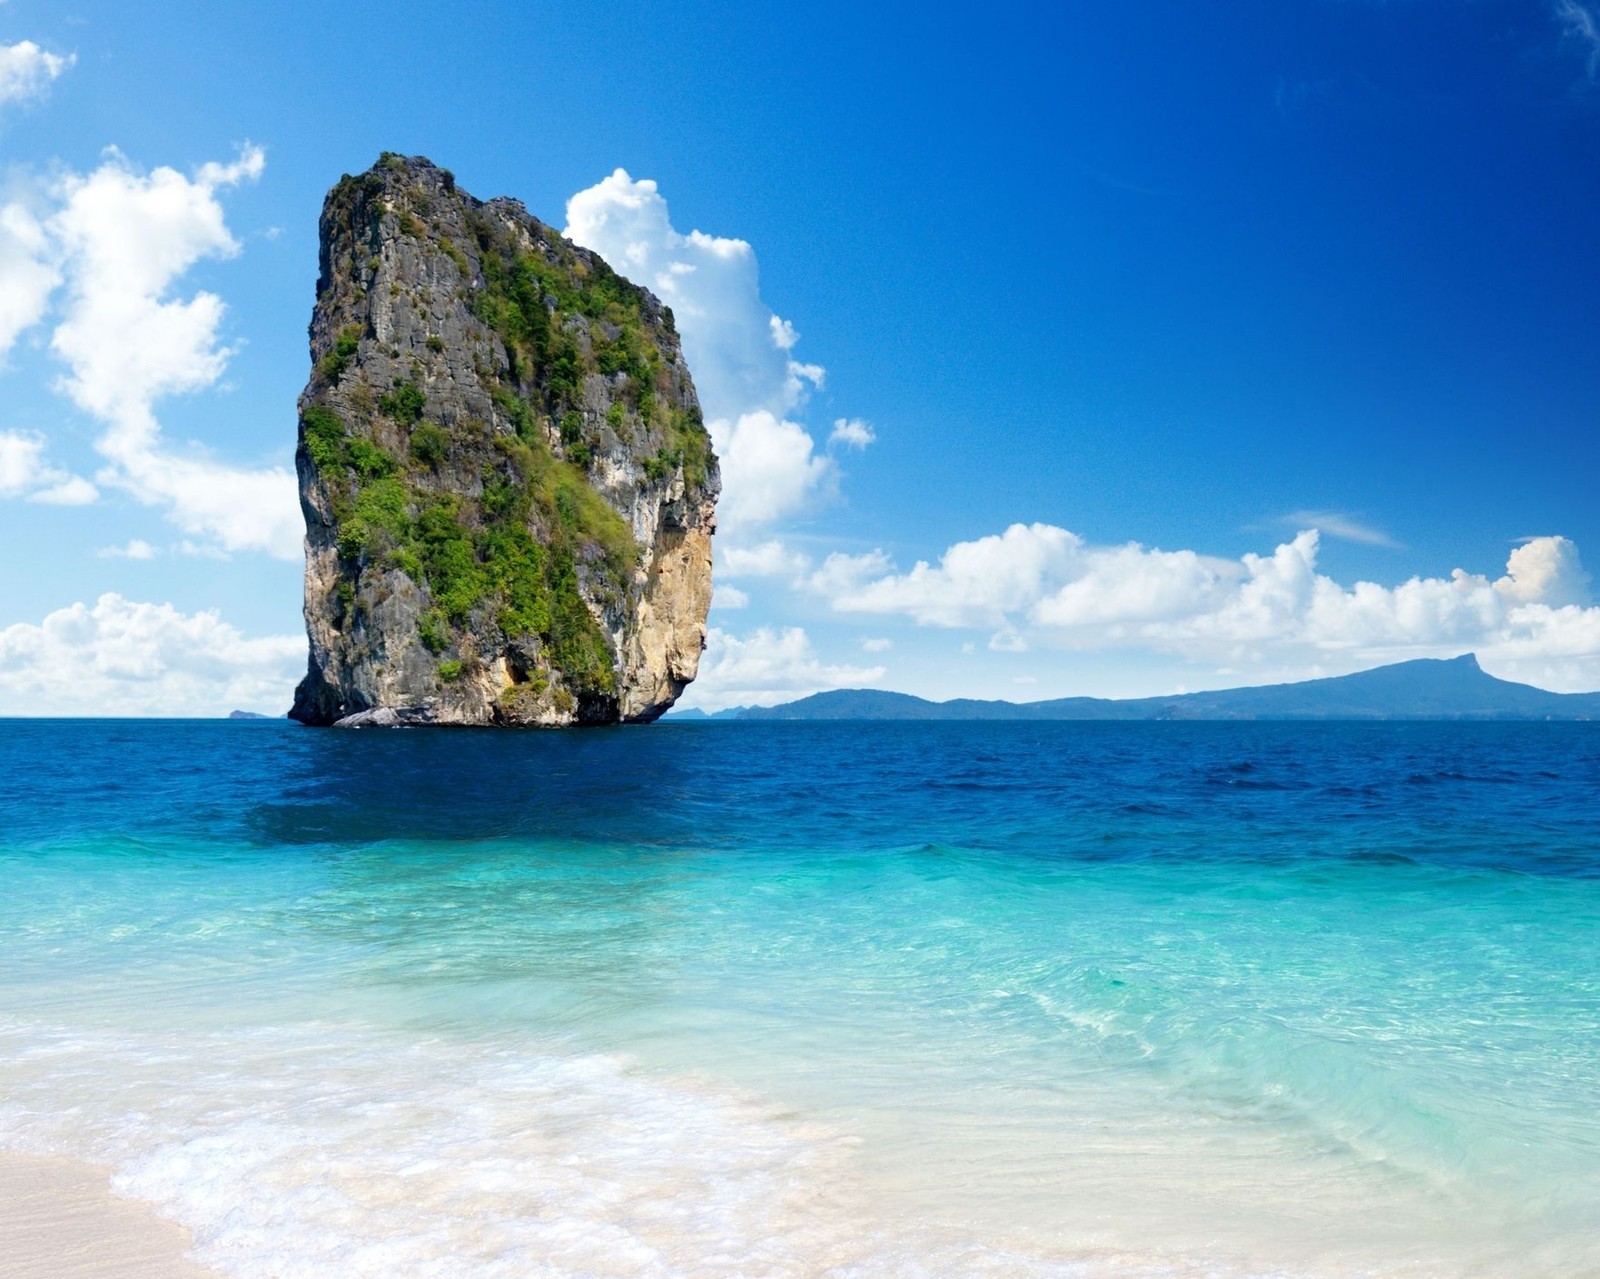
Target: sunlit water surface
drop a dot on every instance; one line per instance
(794, 1000)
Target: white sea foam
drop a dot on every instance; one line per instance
(312, 1151)
(321, 1150)
(442, 1066)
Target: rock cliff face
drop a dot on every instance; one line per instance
(508, 489)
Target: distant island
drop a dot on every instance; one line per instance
(247, 715)
(1428, 688)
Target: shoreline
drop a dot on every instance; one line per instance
(60, 1220)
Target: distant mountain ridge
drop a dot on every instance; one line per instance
(1427, 688)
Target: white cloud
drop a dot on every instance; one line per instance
(729, 597)
(783, 333)
(1545, 570)
(125, 658)
(841, 575)
(25, 473)
(977, 583)
(737, 348)
(200, 550)
(1581, 24)
(852, 433)
(739, 351)
(26, 71)
(877, 645)
(1345, 527)
(1126, 584)
(124, 240)
(1007, 640)
(28, 274)
(127, 237)
(765, 667)
(766, 559)
(73, 490)
(119, 240)
(20, 462)
(137, 549)
(769, 469)
(1038, 584)
(236, 508)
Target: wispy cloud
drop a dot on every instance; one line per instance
(1581, 24)
(852, 433)
(137, 549)
(1336, 524)
(25, 473)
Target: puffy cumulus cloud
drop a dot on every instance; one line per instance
(28, 272)
(978, 583)
(740, 352)
(765, 667)
(727, 597)
(1545, 570)
(123, 240)
(126, 238)
(765, 559)
(1038, 584)
(119, 657)
(770, 469)
(25, 473)
(26, 71)
(1122, 584)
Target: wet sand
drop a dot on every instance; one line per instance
(59, 1220)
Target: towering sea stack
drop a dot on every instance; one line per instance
(508, 489)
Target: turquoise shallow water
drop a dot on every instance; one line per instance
(817, 1000)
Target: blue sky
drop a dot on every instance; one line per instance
(1157, 288)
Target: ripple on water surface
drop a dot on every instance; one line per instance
(801, 1000)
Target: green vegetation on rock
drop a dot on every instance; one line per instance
(531, 303)
(343, 351)
(481, 558)
(492, 413)
(405, 404)
(429, 444)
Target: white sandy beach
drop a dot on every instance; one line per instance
(59, 1220)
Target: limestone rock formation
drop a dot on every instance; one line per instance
(508, 489)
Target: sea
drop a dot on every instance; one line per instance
(846, 1000)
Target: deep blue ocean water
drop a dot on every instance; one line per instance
(794, 999)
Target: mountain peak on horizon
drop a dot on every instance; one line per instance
(1419, 688)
